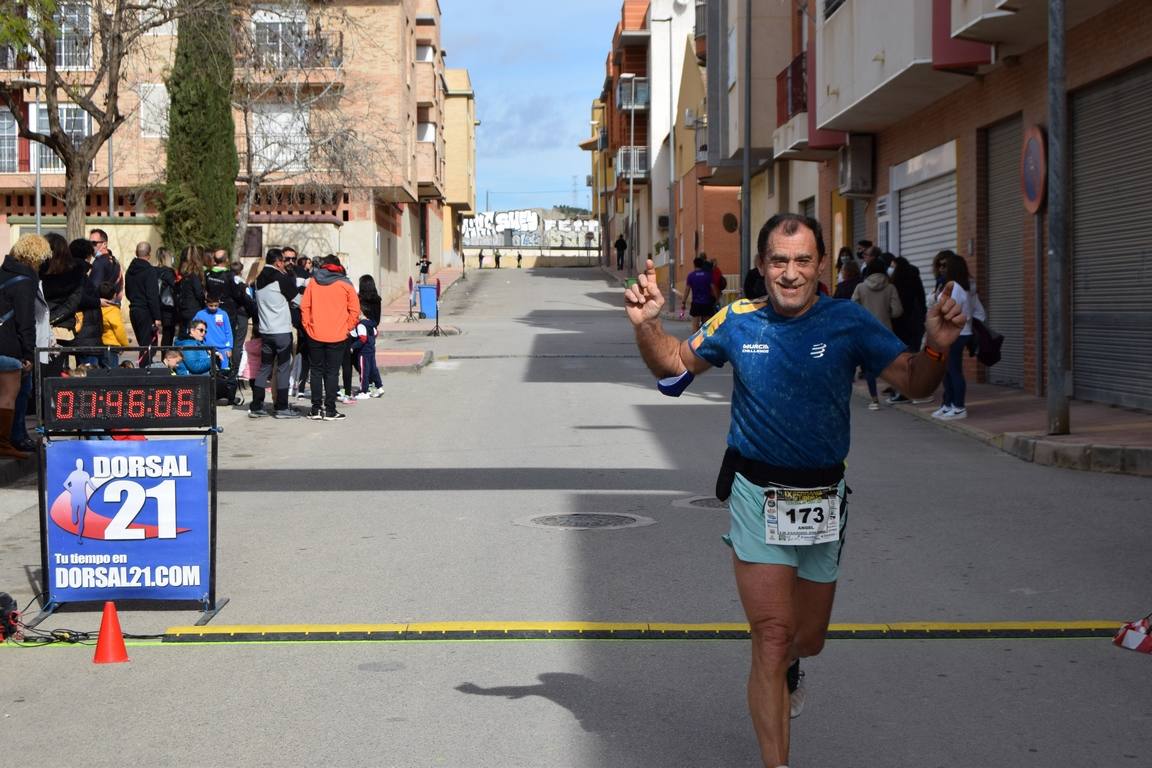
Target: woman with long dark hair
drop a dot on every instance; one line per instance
(190, 286)
(955, 273)
(370, 302)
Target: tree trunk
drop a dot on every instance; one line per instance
(76, 199)
(242, 221)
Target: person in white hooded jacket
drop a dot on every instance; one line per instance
(877, 295)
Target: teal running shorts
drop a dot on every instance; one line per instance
(817, 562)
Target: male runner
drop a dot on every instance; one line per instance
(793, 355)
(79, 486)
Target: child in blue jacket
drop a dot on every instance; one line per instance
(219, 333)
(364, 347)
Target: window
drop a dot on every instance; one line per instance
(8, 137)
(73, 120)
(73, 39)
(425, 132)
(425, 52)
(153, 111)
(830, 7)
(278, 34)
(280, 138)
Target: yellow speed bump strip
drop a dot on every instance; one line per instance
(579, 630)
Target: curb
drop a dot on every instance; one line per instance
(445, 330)
(1088, 457)
(425, 359)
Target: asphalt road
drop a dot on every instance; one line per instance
(413, 510)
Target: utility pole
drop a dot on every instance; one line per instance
(1059, 375)
(746, 176)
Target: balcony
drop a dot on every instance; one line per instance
(632, 163)
(426, 83)
(429, 176)
(792, 90)
(274, 49)
(624, 94)
(1015, 25)
(700, 32)
(874, 65)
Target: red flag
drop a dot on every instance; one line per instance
(437, 289)
(409, 283)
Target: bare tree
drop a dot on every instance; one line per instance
(78, 51)
(296, 132)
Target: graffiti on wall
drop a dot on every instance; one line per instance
(528, 228)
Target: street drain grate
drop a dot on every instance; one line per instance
(581, 521)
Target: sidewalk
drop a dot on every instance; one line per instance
(1103, 438)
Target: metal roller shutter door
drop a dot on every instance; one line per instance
(1005, 219)
(928, 223)
(1111, 189)
(859, 221)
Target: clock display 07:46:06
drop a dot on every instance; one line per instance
(131, 403)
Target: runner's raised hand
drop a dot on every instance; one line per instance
(945, 320)
(643, 299)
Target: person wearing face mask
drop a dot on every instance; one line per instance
(877, 295)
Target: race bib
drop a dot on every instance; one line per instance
(801, 516)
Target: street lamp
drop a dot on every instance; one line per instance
(671, 165)
(631, 78)
(36, 85)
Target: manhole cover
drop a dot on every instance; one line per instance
(701, 502)
(580, 521)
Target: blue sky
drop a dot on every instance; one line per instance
(536, 68)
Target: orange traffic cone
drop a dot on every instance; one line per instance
(110, 645)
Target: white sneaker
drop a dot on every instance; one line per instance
(796, 698)
(362, 395)
(874, 405)
(955, 413)
(378, 392)
(942, 412)
(345, 399)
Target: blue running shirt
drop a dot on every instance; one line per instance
(793, 375)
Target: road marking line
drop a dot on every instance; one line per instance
(577, 630)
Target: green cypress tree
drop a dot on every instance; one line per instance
(199, 199)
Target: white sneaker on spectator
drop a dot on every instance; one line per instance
(362, 395)
(940, 412)
(955, 413)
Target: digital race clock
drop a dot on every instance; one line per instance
(137, 401)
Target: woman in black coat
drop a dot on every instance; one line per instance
(166, 277)
(190, 297)
(18, 292)
(64, 280)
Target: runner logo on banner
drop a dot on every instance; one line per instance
(127, 520)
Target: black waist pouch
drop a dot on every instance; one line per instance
(763, 474)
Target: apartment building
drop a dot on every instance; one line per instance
(304, 70)
(920, 125)
(460, 161)
(943, 108)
